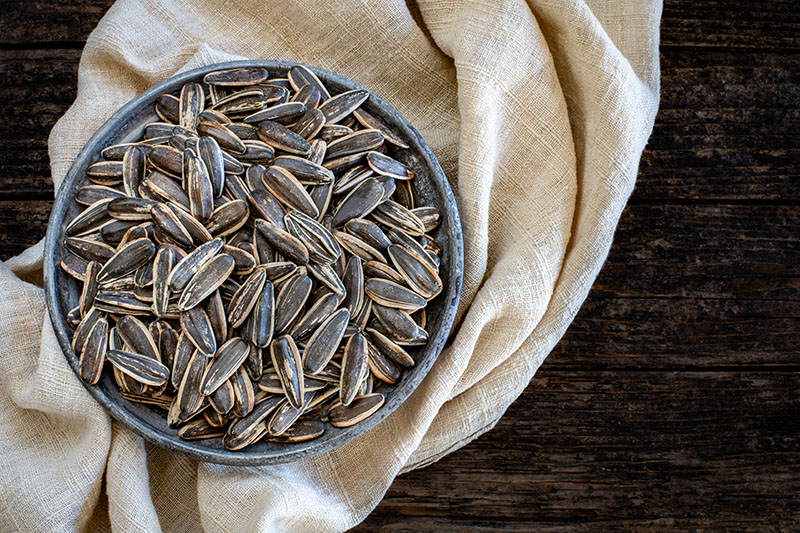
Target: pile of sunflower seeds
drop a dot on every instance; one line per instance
(256, 265)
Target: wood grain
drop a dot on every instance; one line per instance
(672, 400)
(589, 451)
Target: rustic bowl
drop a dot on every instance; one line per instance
(62, 291)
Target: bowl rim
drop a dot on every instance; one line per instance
(191, 448)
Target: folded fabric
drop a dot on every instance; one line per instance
(538, 113)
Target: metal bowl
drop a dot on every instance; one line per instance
(62, 291)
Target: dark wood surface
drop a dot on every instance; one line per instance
(673, 401)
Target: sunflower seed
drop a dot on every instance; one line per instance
(282, 138)
(162, 266)
(246, 132)
(282, 241)
(290, 301)
(252, 427)
(198, 185)
(322, 247)
(390, 294)
(390, 349)
(279, 270)
(167, 345)
(357, 247)
(196, 230)
(105, 172)
(245, 298)
(226, 361)
(316, 314)
(137, 337)
(416, 271)
(140, 367)
(344, 163)
(189, 398)
(281, 113)
(341, 105)
(290, 192)
(286, 359)
(395, 215)
(229, 217)
(89, 194)
(429, 216)
(308, 95)
(89, 250)
(328, 277)
(261, 322)
(205, 281)
(301, 431)
(245, 101)
(359, 141)
(213, 115)
(197, 327)
(386, 166)
(352, 178)
(200, 429)
(120, 302)
(299, 76)
(257, 152)
(183, 353)
(318, 149)
(243, 262)
(167, 222)
(398, 322)
(168, 108)
(354, 368)
(305, 171)
(359, 202)
(165, 189)
(310, 124)
(331, 132)
(94, 352)
(254, 364)
(226, 139)
(353, 281)
(190, 104)
(166, 159)
(371, 121)
(127, 259)
(186, 269)
(133, 209)
(74, 266)
(324, 341)
(90, 286)
(237, 76)
(286, 415)
(222, 399)
(381, 367)
(343, 416)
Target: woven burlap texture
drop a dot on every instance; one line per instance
(538, 113)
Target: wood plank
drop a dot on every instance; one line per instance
(720, 23)
(37, 87)
(54, 21)
(680, 333)
(739, 252)
(773, 24)
(22, 224)
(588, 451)
(727, 128)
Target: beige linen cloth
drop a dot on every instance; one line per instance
(538, 112)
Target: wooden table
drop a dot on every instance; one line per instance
(673, 401)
